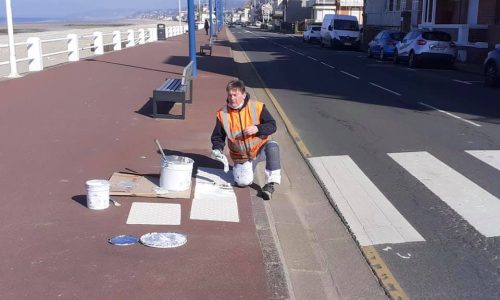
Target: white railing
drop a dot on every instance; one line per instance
(460, 34)
(94, 42)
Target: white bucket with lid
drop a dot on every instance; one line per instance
(176, 173)
(97, 194)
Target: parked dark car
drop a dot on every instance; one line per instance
(492, 67)
(384, 43)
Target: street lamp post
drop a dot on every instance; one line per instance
(12, 46)
(192, 37)
(210, 16)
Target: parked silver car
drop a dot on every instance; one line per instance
(492, 67)
(426, 45)
(312, 34)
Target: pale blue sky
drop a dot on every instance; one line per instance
(65, 8)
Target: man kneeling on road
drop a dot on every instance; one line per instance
(247, 125)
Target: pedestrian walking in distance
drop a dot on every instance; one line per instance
(246, 124)
(206, 26)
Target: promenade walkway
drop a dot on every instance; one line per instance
(85, 120)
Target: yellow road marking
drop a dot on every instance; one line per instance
(291, 129)
(387, 280)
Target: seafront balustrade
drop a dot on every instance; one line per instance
(37, 53)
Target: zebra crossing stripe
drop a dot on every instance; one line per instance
(370, 215)
(491, 157)
(478, 207)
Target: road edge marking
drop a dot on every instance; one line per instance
(387, 281)
(289, 126)
(269, 213)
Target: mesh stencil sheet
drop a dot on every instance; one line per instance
(214, 197)
(154, 213)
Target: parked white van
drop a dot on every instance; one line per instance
(340, 31)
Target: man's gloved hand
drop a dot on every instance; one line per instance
(217, 155)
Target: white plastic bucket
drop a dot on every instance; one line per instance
(176, 173)
(97, 194)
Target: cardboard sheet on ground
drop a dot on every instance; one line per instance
(123, 184)
(214, 197)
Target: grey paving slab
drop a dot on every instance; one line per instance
(308, 285)
(351, 282)
(297, 250)
(325, 223)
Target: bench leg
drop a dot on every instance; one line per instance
(183, 110)
(189, 92)
(155, 108)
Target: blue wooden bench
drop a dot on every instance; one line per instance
(175, 91)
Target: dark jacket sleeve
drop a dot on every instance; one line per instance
(267, 124)
(218, 136)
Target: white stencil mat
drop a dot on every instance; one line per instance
(154, 213)
(214, 197)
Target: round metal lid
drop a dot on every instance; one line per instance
(124, 240)
(163, 239)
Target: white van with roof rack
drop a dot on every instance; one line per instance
(340, 31)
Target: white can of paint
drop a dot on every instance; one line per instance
(176, 173)
(97, 194)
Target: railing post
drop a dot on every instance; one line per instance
(12, 46)
(73, 51)
(169, 32)
(35, 62)
(152, 36)
(98, 43)
(463, 34)
(141, 36)
(130, 38)
(117, 40)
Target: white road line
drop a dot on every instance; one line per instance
(450, 114)
(385, 89)
(410, 69)
(461, 81)
(349, 74)
(312, 58)
(297, 52)
(325, 64)
(491, 157)
(371, 217)
(478, 207)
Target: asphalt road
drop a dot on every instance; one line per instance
(345, 104)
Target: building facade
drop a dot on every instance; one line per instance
(471, 23)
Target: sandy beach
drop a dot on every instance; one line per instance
(54, 30)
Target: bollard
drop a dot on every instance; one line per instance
(98, 43)
(73, 51)
(130, 38)
(35, 54)
(141, 37)
(117, 40)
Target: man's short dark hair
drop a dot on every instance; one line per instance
(236, 84)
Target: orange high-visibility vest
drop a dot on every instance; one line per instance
(242, 148)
